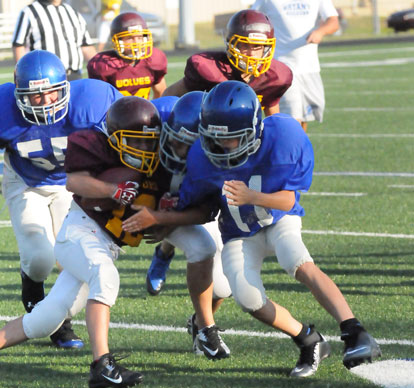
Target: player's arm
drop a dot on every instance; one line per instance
(88, 52)
(268, 111)
(159, 88)
(177, 89)
(18, 52)
(238, 194)
(329, 26)
(146, 217)
(85, 185)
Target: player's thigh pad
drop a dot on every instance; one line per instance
(87, 253)
(242, 262)
(285, 238)
(194, 241)
(221, 286)
(66, 298)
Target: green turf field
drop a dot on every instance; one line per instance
(359, 227)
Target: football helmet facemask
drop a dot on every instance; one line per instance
(253, 28)
(36, 73)
(180, 131)
(230, 124)
(131, 37)
(133, 126)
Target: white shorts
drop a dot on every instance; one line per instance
(87, 256)
(36, 214)
(305, 99)
(243, 258)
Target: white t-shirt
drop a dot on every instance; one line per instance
(293, 20)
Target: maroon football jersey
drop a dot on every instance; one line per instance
(205, 70)
(88, 150)
(130, 78)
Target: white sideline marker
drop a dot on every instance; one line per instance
(388, 373)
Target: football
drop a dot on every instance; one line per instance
(112, 175)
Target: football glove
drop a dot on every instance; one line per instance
(126, 192)
(167, 202)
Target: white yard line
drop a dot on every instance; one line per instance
(374, 109)
(365, 174)
(364, 135)
(382, 62)
(365, 52)
(333, 194)
(357, 234)
(401, 186)
(245, 333)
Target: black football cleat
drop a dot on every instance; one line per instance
(65, 338)
(211, 344)
(313, 350)
(359, 348)
(192, 329)
(105, 372)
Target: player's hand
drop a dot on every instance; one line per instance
(157, 233)
(237, 193)
(314, 37)
(167, 202)
(142, 219)
(126, 192)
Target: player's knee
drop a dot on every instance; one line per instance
(247, 296)
(45, 318)
(291, 253)
(221, 287)
(200, 252)
(104, 284)
(38, 264)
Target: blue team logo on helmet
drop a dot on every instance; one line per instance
(180, 131)
(230, 124)
(41, 73)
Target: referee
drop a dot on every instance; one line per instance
(56, 27)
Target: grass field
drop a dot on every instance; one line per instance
(358, 227)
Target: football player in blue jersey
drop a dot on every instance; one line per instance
(38, 113)
(179, 132)
(254, 171)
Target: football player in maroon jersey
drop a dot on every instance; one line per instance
(134, 66)
(250, 45)
(90, 238)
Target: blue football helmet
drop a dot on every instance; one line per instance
(230, 124)
(36, 73)
(180, 131)
(164, 105)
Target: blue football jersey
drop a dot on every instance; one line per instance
(37, 153)
(284, 161)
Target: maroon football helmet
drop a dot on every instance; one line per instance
(253, 28)
(133, 126)
(131, 37)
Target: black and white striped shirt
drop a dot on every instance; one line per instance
(58, 29)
